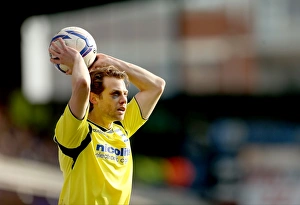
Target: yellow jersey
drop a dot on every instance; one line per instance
(96, 163)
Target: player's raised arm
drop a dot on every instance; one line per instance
(80, 76)
(150, 85)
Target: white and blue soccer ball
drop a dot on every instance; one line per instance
(81, 40)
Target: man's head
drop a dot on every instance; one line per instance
(98, 77)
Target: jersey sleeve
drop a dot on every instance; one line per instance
(69, 130)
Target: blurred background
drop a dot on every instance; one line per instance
(226, 130)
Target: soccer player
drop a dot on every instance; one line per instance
(93, 133)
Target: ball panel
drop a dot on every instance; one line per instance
(79, 39)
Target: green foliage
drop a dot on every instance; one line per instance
(149, 170)
(26, 115)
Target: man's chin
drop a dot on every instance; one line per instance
(120, 117)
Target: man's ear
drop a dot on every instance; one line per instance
(93, 98)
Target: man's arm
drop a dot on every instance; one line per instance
(150, 86)
(80, 76)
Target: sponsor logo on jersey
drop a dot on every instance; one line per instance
(124, 151)
(107, 152)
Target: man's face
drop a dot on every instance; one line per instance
(113, 100)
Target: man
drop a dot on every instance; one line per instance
(94, 130)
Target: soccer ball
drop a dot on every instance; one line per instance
(81, 40)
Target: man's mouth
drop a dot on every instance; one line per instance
(122, 109)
